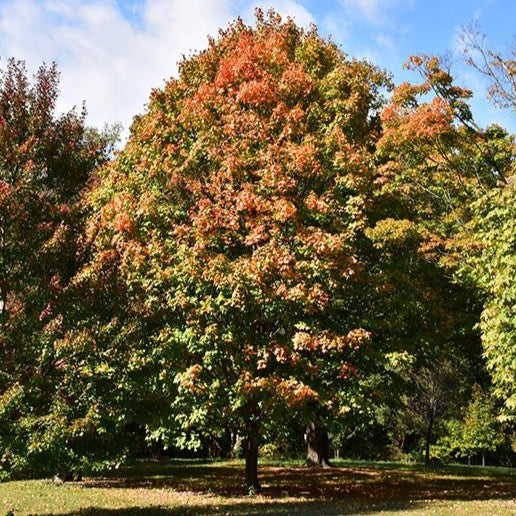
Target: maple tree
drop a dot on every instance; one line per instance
(45, 163)
(274, 247)
(434, 162)
(435, 159)
(234, 216)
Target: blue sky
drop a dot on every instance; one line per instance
(112, 52)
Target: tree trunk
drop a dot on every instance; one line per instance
(427, 451)
(67, 475)
(251, 459)
(158, 451)
(428, 437)
(483, 460)
(318, 445)
(237, 445)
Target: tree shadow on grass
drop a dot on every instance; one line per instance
(338, 484)
(217, 488)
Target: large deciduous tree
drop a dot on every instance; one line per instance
(45, 162)
(435, 162)
(235, 218)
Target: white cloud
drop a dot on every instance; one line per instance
(369, 8)
(285, 8)
(105, 59)
(375, 11)
(384, 42)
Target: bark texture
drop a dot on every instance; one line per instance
(251, 460)
(318, 445)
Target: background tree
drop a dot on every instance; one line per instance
(481, 431)
(435, 162)
(491, 265)
(492, 250)
(497, 68)
(435, 397)
(477, 433)
(234, 216)
(45, 162)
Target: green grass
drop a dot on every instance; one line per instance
(206, 487)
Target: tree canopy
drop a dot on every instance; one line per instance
(235, 216)
(45, 163)
(278, 246)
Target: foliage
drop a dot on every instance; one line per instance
(434, 161)
(492, 266)
(234, 216)
(274, 248)
(477, 433)
(45, 163)
(481, 430)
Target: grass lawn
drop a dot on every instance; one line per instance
(193, 487)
